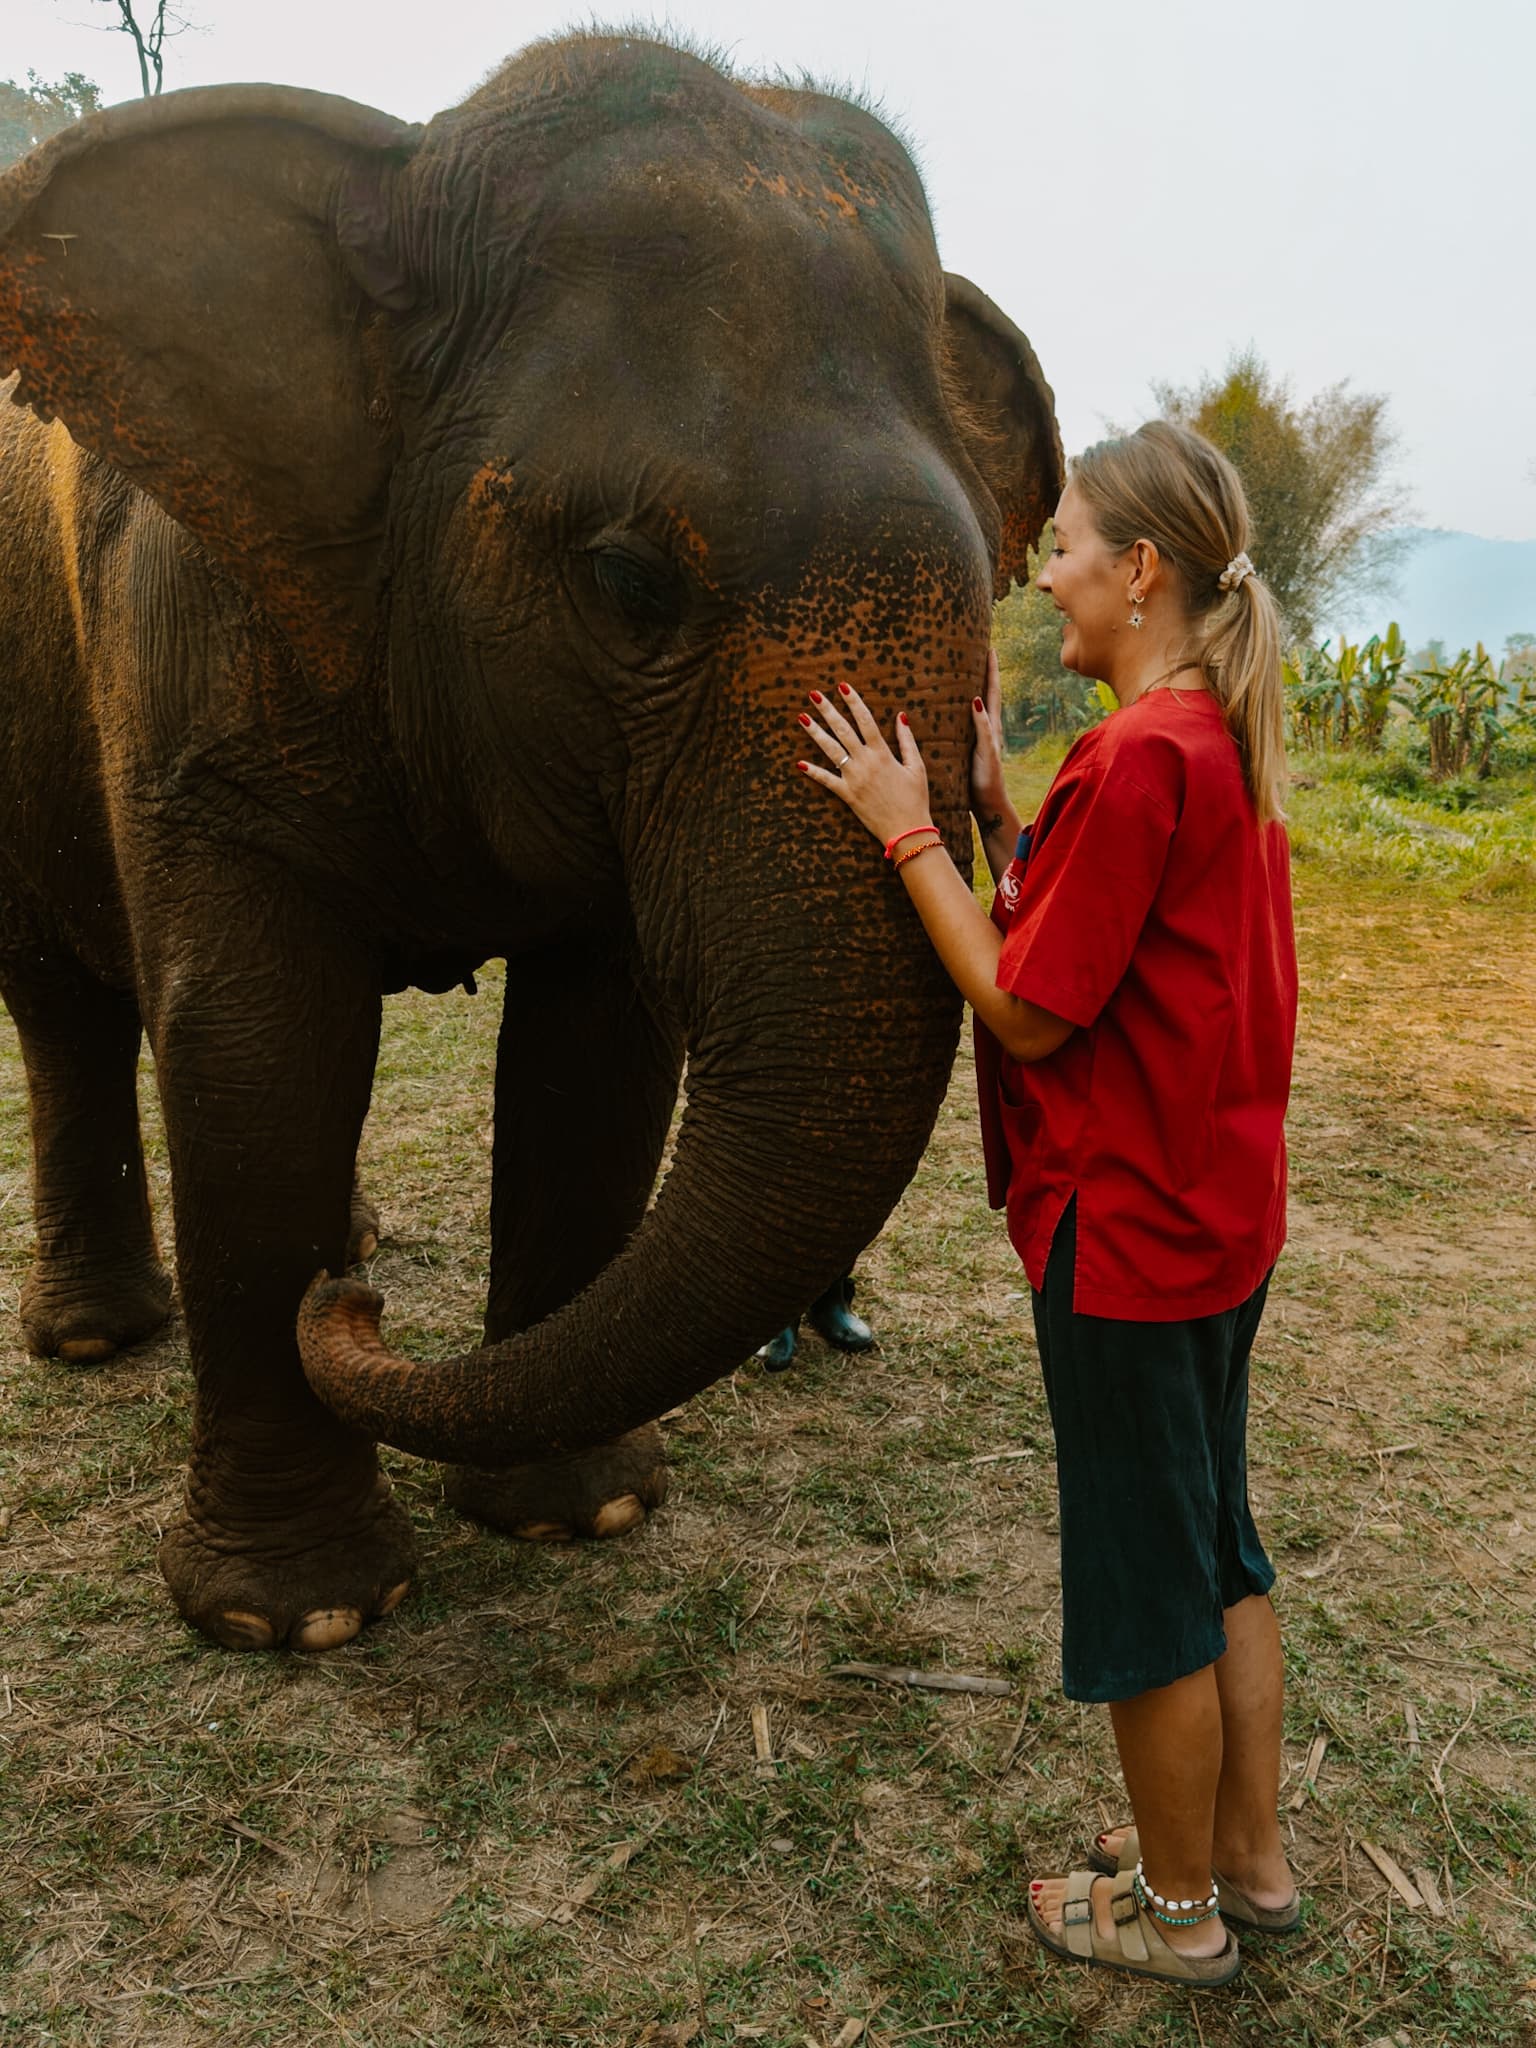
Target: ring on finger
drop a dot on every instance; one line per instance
(847, 757)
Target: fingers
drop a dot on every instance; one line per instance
(863, 717)
(846, 732)
(834, 749)
(906, 741)
(994, 689)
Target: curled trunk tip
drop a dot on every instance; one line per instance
(338, 1333)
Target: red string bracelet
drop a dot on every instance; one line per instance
(892, 844)
(912, 852)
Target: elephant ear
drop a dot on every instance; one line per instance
(1006, 413)
(175, 289)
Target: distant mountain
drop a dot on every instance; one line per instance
(1456, 587)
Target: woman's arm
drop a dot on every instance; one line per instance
(890, 796)
(968, 943)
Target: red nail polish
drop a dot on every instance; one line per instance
(977, 705)
(803, 719)
(846, 688)
(816, 697)
(902, 718)
(804, 767)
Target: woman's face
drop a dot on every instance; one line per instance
(1089, 587)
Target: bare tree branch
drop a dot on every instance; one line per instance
(149, 37)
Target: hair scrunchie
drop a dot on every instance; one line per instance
(1236, 573)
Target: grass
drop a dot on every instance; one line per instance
(530, 1806)
(1383, 816)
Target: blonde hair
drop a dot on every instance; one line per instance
(1168, 485)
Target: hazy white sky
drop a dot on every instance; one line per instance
(1348, 184)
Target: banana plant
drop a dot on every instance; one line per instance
(1463, 708)
(1381, 663)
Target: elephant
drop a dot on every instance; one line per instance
(415, 542)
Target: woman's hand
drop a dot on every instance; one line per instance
(989, 794)
(887, 794)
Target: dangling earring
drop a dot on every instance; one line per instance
(1136, 619)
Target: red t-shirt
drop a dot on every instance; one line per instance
(1151, 909)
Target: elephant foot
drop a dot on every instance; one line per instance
(85, 1320)
(606, 1490)
(834, 1321)
(257, 1583)
(362, 1229)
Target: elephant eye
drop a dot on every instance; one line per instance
(644, 589)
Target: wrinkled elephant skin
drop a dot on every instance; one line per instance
(414, 545)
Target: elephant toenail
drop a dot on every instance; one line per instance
(393, 1598)
(544, 1532)
(326, 1628)
(618, 1517)
(240, 1631)
(86, 1350)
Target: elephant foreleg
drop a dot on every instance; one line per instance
(96, 1283)
(586, 1080)
(265, 1024)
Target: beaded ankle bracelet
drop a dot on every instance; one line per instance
(1173, 1912)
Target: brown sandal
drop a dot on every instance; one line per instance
(1234, 1903)
(1137, 1948)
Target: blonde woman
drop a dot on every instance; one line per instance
(1135, 998)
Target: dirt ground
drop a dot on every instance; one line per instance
(614, 1794)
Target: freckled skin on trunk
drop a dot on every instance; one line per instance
(448, 525)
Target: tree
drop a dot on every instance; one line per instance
(1318, 481)
(1519, 664)
(148, 41)
(31, 112)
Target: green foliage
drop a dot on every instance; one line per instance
(30, 113)
(1041, 699)
(1462, 714)
(1317, 480)
(1345, 699)
(1464, 709)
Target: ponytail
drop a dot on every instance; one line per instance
(1170, 486)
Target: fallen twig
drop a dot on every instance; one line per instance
(927, 1681)
(1309, 1772)
(581, 1894)
(1018, 1739)
(1396, 1876)
(762, 1742)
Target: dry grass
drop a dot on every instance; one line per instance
(530, 1807)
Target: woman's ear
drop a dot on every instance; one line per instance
(174, 288)
(1006, 413)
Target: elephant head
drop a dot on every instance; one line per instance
(574, 437)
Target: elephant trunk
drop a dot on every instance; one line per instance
(772, 1193)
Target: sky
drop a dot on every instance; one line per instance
(1348, 185)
